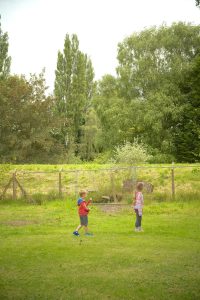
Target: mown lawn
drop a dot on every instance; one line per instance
(40, 259)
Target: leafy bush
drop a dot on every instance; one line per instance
(160, 158)
(73, 159)
(131, 153)
(103, 158)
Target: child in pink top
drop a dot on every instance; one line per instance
(138, 206)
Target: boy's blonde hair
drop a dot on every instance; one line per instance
(82, 192)
(140, 186)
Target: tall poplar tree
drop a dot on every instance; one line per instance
(5, 60)
(73, 89)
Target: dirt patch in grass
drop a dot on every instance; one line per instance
(113, 207)
(17, 223)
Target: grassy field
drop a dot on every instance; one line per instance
(44, 183)
(40, 259)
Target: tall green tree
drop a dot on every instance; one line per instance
(187, 129)
(151, 69)
(108, 86)
(156, 58)
(28, 125)
(5, 60)
(113, 113)
(74, 84)
(90, 142)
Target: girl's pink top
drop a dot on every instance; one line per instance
(139, 202)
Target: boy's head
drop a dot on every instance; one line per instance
(140, 186)
(83, 193)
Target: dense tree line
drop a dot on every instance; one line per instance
(29, 126)
(152, 103)
(149, 99)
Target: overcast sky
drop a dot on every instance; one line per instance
(37, 28)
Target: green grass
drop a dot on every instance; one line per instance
(187, 183)
(40, 259)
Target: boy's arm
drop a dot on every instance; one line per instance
(88, 202)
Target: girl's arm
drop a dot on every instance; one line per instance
(134, 199)
(141, 199)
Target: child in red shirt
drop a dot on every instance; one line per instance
(83, 211)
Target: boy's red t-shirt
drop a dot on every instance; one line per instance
(83, 210)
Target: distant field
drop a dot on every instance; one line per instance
(40, 259)
(42, 181)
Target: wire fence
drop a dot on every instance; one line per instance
(114, 184)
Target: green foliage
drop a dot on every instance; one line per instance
(108, 86)
(27, 121)
(152, 67)
(145, 102)
(160, 158)
(154, 99)
(131, 153)
(73, 90)
(187, 130)
(104, 157)
(89, 140)
(116, 116)
(5, 60)
(156, 58)
(112, 115)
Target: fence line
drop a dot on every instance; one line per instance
(15, 182)
(107, 169)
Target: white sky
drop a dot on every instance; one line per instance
(37, 28)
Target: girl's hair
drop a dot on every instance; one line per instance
(140, 186)
(82, 192)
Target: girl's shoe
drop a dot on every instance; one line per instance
(88, 234)
(76, 233)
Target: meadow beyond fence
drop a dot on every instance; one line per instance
(111, 184)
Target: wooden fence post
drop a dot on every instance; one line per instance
(60, 183)
(14, 185)
(76, 182)
(113, 186)
(173, 181)
(134, 176)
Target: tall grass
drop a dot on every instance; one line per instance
(44, 185)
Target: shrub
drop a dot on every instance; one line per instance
(103, 158)
(131, 153)
(160, 158)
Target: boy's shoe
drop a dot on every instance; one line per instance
(141, 229)
(76, 233)
(89, 234)
(137, 229)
